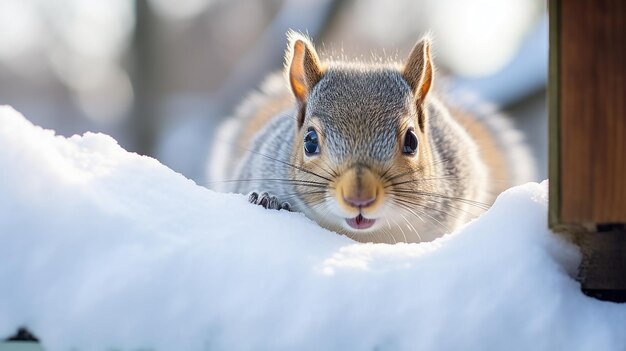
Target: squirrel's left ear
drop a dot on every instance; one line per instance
(303, 66)
(418, 69)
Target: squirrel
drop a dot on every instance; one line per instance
(367, 150)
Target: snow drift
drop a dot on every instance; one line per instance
(101, 248)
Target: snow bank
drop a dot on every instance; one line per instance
(102, 248)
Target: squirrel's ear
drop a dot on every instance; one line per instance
(418, 69)
(303, 66)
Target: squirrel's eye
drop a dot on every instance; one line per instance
(311, 143)
(410, 142)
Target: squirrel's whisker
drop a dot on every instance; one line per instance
(306, 193)
(418, 180)
(426, 207)
(410, 226)
(444, 204)
(292, 181)
(401, 231)
(444, 177)
(288, 164)
(291, 165)
(478, 204)
(405, 206)
(330, 171)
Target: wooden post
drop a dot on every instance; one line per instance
(587, 93)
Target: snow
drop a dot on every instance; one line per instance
(101, 248)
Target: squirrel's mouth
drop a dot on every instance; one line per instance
(360, 222)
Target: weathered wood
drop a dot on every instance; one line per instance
(592, 116)
(587, 89)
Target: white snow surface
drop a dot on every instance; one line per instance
(101, 248)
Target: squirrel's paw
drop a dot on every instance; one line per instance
(268, 201)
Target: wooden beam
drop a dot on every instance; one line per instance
(592, 111)
(587, 93)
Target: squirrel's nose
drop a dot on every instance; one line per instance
(359, 201)
(358, 188)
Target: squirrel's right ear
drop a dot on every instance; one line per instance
(303, 66)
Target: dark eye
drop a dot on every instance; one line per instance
(311, 143)
(410, 142)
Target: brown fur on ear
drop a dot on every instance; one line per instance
(418, 69)
(303, 68)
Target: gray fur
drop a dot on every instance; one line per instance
(356, 103)
(273, 142)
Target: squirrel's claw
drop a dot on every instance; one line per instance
(268, 201)
(253, 197)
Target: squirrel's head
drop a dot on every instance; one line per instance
(361, 140)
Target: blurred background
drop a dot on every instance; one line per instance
(159, 75)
